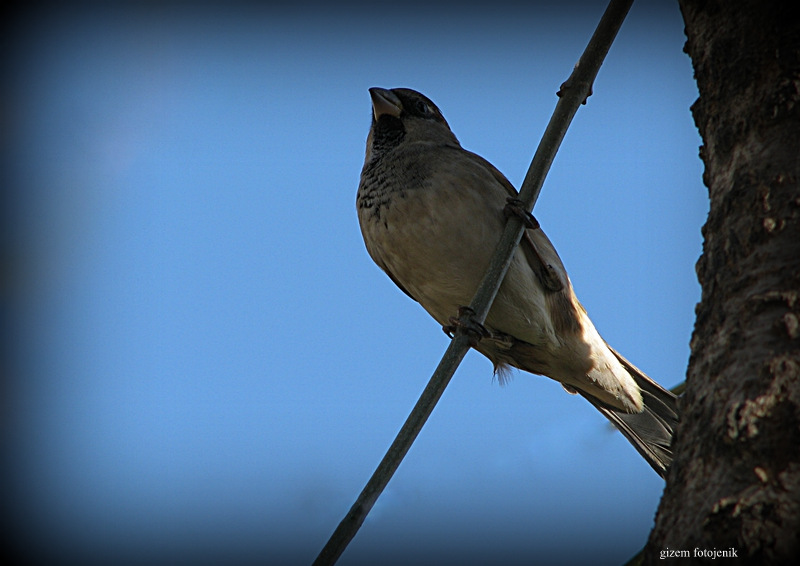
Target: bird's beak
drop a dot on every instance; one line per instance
(385, 102)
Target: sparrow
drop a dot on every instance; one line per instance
(431, 214)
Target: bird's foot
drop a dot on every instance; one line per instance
(466, 324)
(515, 207)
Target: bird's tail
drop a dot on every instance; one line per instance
(650, 431)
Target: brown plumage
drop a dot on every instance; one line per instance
(431, 214)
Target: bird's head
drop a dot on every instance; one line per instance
(404, 115)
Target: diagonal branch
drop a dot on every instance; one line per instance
(573, 93)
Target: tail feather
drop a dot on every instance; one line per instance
(650, 431)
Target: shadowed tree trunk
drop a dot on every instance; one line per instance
(735, 481)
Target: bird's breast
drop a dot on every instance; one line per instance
(435, 239)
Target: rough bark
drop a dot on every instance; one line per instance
(735, 480)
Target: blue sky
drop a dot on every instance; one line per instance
(206, 364)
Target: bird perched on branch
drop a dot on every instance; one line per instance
(431, 214)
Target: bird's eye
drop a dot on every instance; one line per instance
(423, 108)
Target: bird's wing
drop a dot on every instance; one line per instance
(540, 253)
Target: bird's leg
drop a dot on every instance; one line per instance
(550, 279)
(515, 207)
(465, 323)
(547, 275)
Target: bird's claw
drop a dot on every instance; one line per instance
(515, 207)
(466, 324)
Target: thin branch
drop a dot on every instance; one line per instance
(573, 93)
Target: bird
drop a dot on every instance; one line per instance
(431, 214)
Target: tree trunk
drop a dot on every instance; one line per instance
(735, 482)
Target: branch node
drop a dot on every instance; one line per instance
(571, 83)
